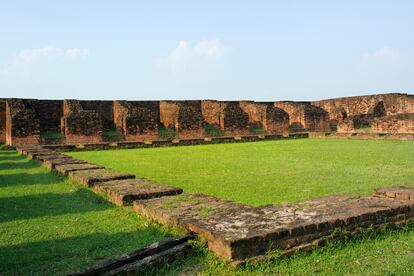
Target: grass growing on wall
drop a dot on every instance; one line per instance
(213, 131)
(51, 227)
(271, 172)
(166, 133)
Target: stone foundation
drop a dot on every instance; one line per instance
(237, 232)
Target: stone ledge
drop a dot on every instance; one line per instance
(67, 168)
(401, 192)
(90, 177)
(52, 156)
(237, 232)
(124, 192)
(62, 161)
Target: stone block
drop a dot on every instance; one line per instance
(92, 176)
(124, 192)
(62, 161)
(237, 232)
(67, 168)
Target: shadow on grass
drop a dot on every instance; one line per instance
(17, 165)
(50, 204)
(72, 254)
(19, 179)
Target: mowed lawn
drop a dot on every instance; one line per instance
(49, 226)
(269, 172)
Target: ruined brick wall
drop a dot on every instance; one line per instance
(79, 125)
(184, 117)
(104, 109)
(235, 120)
(304, 116)
(341, 108)
(22, 124)
(137, 120)
(400, 123)
(272, 119)
(277, 120)
(2, 120)
(49, 113)
(212, 112)
(346, 125)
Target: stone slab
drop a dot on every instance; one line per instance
(44, 157)
(33, 153)
(401, 192)
(66, 168)
(237, 232)
(124, 192)
(62, 161)
(90, 177)
(23, 149)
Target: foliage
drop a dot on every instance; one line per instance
(213, 131)
(166, 133)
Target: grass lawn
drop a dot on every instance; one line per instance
(49, 226)
(269, 172)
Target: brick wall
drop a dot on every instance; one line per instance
(235, 120)
(393, 103)
(104, 109)
(272, 119)
(305, 116)
(49, 113)
(401, 123)
(2, 120)
(22, 124)
(185, 117)
(137, 120)
(79, 125)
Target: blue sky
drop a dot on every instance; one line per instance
(258, 50)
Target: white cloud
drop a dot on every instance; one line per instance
(383, 55)
(29, 55)
(185, 55)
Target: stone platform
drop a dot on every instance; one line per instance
(67, 168)
(124, 192)
(90, 177)
(237, 232)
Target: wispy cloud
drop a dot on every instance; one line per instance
(29, 55)
(186, 55)
(382, 55)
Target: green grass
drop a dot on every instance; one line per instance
(270, 172)
(49, 226)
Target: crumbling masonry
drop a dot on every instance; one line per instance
(31, 121)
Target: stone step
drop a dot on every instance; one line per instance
(51, 156)
(124, 192)
(33, 153)
(62, 161)
(401, 192)
(23, 149)
(237, 232)
(67, 168)
(90, 177)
